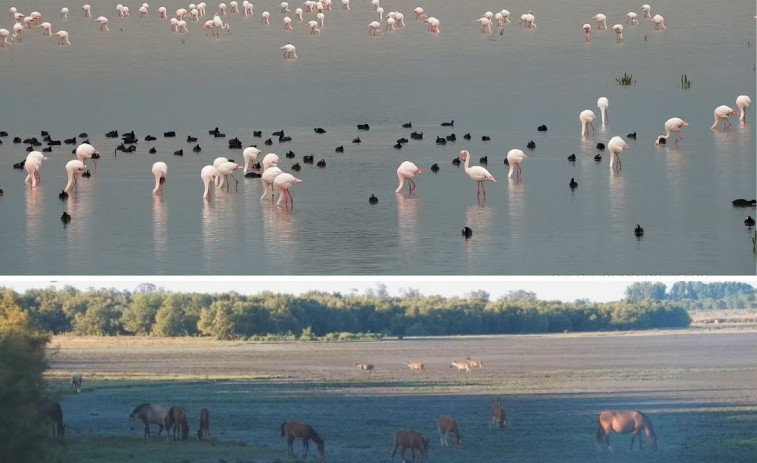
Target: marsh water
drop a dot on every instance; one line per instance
(140, 76)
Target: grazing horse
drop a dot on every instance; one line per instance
(76, 382)
(149, 413)
(365, 367)
(447, 425)
(52, 412)
(415, 366)
(294, 430)
(475, 363)
(625, 422)
(460, 366)
(498, 417)
(176, 419)
(204, 430)
(412, 440)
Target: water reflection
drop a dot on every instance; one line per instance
(281, 235)
(516, 198)
(479, 218)
(79, 229)
(34, 215)
(408, 208)
(159, 226)
(618, 197)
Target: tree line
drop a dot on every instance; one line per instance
(695, 295)
(153, 311)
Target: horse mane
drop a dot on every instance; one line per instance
(649, 424)
(139, 407)
(314, 436)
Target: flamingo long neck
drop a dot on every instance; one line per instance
(467, 163)
(71, 176)
(583, 126)
(402, 183)
(157, 182)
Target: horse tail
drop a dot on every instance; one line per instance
(283, 431)
(600, 429)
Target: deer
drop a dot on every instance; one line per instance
(460, 366)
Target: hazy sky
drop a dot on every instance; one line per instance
(597, 289)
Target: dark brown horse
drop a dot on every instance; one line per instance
(76, 382)
(203, 432)
(176, 420)
(623, 423)
(52, 413)
(149, 413)
(498, 417)
(412, 440)
(446, 425)
(294, 430)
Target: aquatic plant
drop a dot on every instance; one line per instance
(626, 79)
(685, 82)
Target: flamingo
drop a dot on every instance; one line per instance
(603, 103)
(380, 12)
(270, 160)
(201, 8)
(175, 25)
(514, 158)
(433, 24)
(486, 24)
(13, 10)
(400, 19)
(321, 19)
(290, 52)
(528, 20)
(87, 10)
(17, 30)
(587, 32)
(247, 8)
(345, 4)
(658, 21)
(375, 4)
(4, 33)
(721, 113)
(28, 20)
(505, 15)
(390, 24)
(601, 21)
(126, 12)
(250, 155)
(314, 27)
(73, 168)
(86, 151)
(64, 13)
(222, 8)
(269, 175)
(616, 145)
(208, 175)
(284, 7)
(647, 10)
(477, 173)
(265, 18)
(406, 171)
(284, 182)
(298, 12)
(672, 125)
(743, 102)
(631, 17)
(420, 13)
(586, 117)
(374, 28)
(226, 169)
(32, 164)
(219, 24)
(162, 12)
(234, 7)
(618, 28)
(216, 163)
(287, 23)
(159, 170)
(181, 26)
(103, 23)
(143, 11)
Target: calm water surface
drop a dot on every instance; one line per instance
(142, 77)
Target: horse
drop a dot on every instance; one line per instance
(76, 382)
(415, 366)
(52, 412)
(410, 440)
(149, 413)
(475, 363)
(460, 366)
(365, 367)
(204, 430)
(498, 416)
(446, 425)
(294, 430)
(176, 419)
(624, 422)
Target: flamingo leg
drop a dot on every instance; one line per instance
(483, 188)
(236, 185)
(411, 184)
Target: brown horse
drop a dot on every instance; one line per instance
(149, 413)
(53, 413)
(498, 417)
(365, 367)
(412, 440)
(622, 423)
(176, 419)
(76, 382)
(447, 425)
(203, 432)
(294, 430)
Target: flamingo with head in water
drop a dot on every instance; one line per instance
(743, 102)
(269, 175)
(73, 168)
(514, 158)
(290, 52)
(250, 156)
(586, 117)
(284, 182)
(159, 170)
(62, 38)
(226, 169)
(721, 114)
(32, 164)
(4, 33)
(86, 151)
(477, 173)
(603, 103)
(406, 171)
(658, 21)
(616, 145)
(601, 21)
(672, 126)
(618, 28)
(587, 32)
(208, 175)
(647, 10)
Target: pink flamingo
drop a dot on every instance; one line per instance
(390, 24)
(222, 8)
(201, 8)
(219, 24)
(290, 52)
(374, 28)
(4, 33)
(298, 12)
(406, 171)
(486, 24)
(375, 4)
(285, 7)
(159, 170)
(247, 8)
(64, 13)
(618, 28)
(647, 10)
(632, 17)
(87, 10)
(514, 158)
(672, 125)
(601, 21)
(62, 38)
(433, 24)
(175, 25)
(314, 27)
(587, 117)
(658, 21)
(743, 102)
(380, 12)
(477, 173)
(86, 151)
(721, 113)
(321, 19)
(250, 155)
(287, 23)
(616, 145)
(162, 12)
(32, 165)
(268, 177)
(284, 182)
(103, 23)
(265, 18)
(587, 32)
(419, 13)
(12, 12)
(181, 26)
(270, 160)
(143, 11)
(17, 30)
(73, 168)
(208, 175)
(400, 18)
(345, 4)
(234, 7)
(227, 169)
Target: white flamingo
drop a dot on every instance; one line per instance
(616, 145)
(721, 114)
(587, 117)
(314, 27)
(658, 21)
(62, 38)
(284, 182)
(103, 23)
(86, 151)
(32, 165)
(269, 175)
(420, 13)
(486, 24)
(87, 10)
(406, 171)
(208, 175)
(250, 156)
(743, 102)
(433, 24)
(647, 10)
(270, 160)
(4, 33)
(477, 173)
(265, 18)
(601, 21)
(290, 52)
(73, 168)
(374, 28)
(672, 125)
(618, 28)
(587, 32)
(64, 13)
(226, 169)
(159, 170)
(514, 158)
(632, 17)
(603, 103)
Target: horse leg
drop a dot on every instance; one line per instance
(305, 446)
(290, 441)
(394, 450)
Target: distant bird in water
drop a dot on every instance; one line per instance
(573, 184)
(638, 231)
(373, 199)
(448, 124)
(572, 157)
(434, 168)
(477, 173)
(159, 170)
(744, 202)
(587, 32)
(600, 146)
(542, 128)
(672, 125)
(743, 102)
(721, 114)
(658, 21)
(406, 171)
(467, 232)
(749, 221)
(514, 158)
(65, 218)
(407, 125)
(598, 157)
(632, 135)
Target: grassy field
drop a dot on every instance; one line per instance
(698, 388)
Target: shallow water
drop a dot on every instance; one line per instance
(141, 77)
